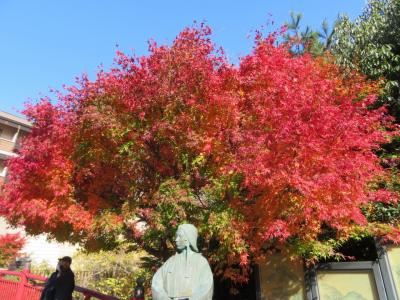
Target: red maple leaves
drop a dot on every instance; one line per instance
(10, 246)
(258, 154)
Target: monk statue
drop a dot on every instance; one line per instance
(185, 275)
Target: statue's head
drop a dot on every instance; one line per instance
(186, 237)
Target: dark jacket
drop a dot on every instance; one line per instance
(59, 287)
(49, 288)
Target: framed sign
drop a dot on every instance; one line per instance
(346, 280)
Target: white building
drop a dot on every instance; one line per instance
(12, 129)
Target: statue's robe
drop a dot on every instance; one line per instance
(184, 275)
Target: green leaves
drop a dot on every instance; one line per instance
(307, 40)
(371, 45)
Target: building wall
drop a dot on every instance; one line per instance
(38, 248)
(7, 132)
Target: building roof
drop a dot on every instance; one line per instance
(6, 154)
(14, 119)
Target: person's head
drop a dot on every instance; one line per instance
(186, 237)
(65, 262)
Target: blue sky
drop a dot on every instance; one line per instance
(45, 44)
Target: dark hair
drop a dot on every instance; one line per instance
(67, 259)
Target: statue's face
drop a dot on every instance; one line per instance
(181, 240)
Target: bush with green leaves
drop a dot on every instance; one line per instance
(371, 44)
(109, 272)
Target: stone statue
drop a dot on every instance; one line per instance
(187, 274)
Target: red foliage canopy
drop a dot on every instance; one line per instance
(307, 148)
(268, 153)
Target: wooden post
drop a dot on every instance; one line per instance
(21, 287)
(87, 296)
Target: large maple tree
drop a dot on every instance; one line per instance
(276, 153)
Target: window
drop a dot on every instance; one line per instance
(347, 280)
(393, 255)
(7, 132)
(347, 284)
(3, 169)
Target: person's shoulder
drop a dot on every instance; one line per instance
(169, 262)
(52, 278)
(198, 254)
(200, 257)
(69, 273)
(172, 258)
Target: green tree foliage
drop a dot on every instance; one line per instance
(308, 40)
(109, 272)
(371, 44)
